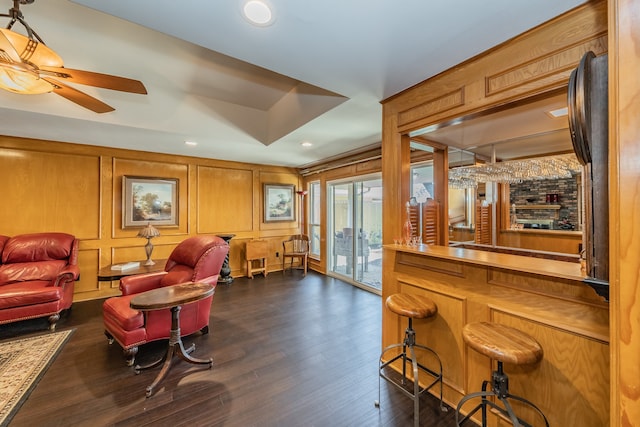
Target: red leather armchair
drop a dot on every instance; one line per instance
(37, 275)
(196, 259)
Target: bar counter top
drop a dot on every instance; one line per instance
(545, 267)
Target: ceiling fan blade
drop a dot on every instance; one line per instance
(78, 97)
(90, 78)
(9, 51)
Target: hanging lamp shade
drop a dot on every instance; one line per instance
(32, 51)
(23, 81)
(17, 75)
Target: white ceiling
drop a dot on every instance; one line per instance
(247, 93)
(523, 131)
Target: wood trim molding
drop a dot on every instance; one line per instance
(557, 64)
(433, 106)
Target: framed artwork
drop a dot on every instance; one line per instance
(149, 200)
(279, 204)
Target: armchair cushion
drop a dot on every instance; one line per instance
(179, 274)
(36, 292)
(29, 271)
(38, 247)
(121, 313)
(141, 282)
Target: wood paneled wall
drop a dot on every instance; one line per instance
(73, 188)
(624, 200)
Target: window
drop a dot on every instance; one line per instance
(314, 218)
(422, 181)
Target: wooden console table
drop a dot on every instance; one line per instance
(172, 297)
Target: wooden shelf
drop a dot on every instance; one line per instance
(553, 207)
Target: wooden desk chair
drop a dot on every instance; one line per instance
(296, 247)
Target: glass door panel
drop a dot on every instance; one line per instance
(341, 214)
(355, 209)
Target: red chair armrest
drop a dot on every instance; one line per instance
(70, 273)
(141, 282)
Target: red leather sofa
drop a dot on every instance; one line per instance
(196, 259)
(37, 274)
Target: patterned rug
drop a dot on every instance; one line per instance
(22, 363)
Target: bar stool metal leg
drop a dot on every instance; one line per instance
(410, 344)
(499, 389)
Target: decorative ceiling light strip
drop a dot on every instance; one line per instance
(515, 171)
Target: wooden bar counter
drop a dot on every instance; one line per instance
(545, 298)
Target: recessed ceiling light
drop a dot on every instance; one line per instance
(192, 143)
(258, 12)
(306, 144)
(560, 112)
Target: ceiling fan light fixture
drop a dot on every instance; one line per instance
(28, 66)
(19, 80)
(258, 13)
(36, 52)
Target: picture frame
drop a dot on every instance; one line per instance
(279, 202)
(149, 200)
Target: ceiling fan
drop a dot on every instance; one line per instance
(28, 66)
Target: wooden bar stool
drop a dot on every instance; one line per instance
(504, 344)
(412, 307)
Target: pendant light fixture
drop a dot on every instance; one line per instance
(16, 74)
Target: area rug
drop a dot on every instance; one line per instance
(22, 363)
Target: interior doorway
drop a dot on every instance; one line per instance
(355, 231)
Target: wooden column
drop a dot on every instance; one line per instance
(624, 199)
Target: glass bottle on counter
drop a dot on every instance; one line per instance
(407, 228)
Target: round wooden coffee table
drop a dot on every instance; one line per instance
(172, 297)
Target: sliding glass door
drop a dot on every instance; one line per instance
(355, 231)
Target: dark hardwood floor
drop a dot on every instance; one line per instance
(287, 351)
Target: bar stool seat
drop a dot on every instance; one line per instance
(505, 345)
(413, 307)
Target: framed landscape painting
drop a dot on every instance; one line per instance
(149, 200)
(279, 203)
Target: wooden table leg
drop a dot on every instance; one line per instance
(174, 341)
